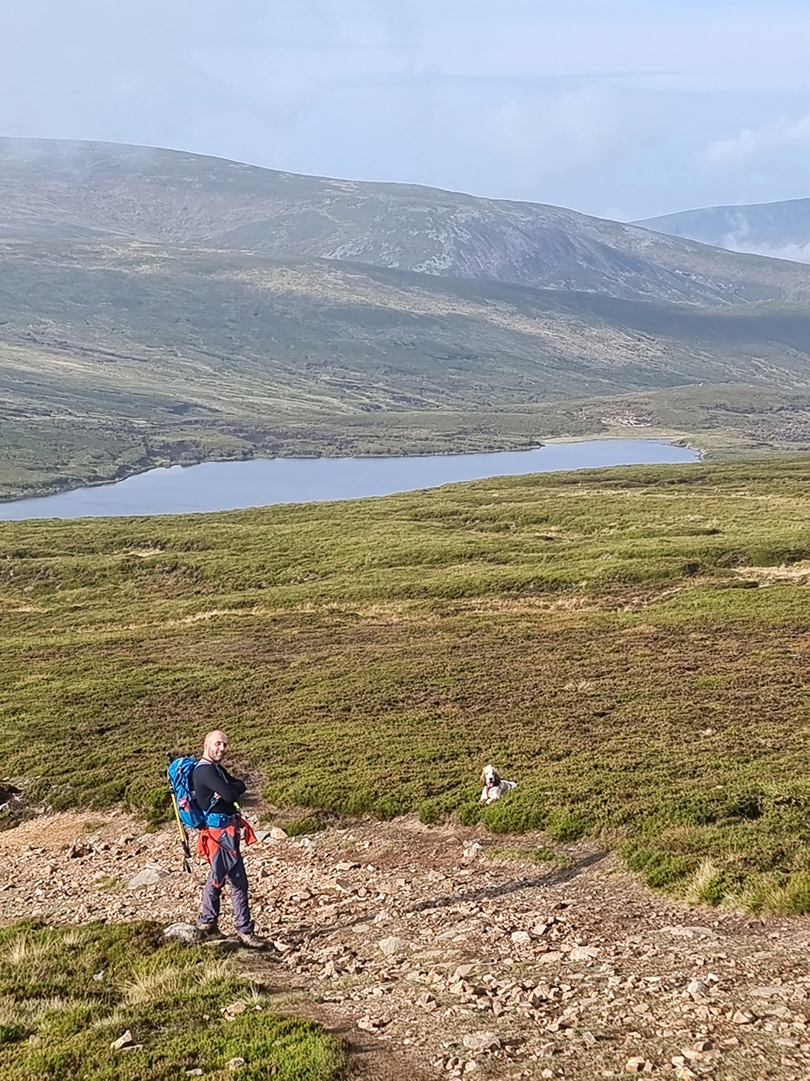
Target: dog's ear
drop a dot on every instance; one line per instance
(496, 779)
(484, 775)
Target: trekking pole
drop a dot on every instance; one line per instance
(180, 826)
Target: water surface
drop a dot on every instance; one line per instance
(217, 486)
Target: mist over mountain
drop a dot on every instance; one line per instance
(56, 189)
(779, 230)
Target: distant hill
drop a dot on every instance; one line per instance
(59, 190)
(119, 355)
(161, 307)
(238, 329)
(780, 230)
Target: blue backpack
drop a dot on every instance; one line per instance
(180, 778)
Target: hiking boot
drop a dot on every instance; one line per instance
(252, 940)
(208, 930)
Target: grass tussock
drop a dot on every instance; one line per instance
(65, 996)
(372, 656)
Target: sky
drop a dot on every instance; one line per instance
(619, 108)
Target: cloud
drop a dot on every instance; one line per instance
(753, 142)
(592, 103)
(796, 253)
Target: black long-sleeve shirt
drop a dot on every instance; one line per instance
(209, 779)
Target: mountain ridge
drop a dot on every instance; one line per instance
(779, 229)
(122, 352)
(58, 189)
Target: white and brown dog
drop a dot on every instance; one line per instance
(494, 787)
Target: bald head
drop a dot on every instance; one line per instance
(215, 746)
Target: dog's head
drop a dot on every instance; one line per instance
(490, 777)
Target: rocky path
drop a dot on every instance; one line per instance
(434, 959)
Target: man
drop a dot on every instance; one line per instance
(217, 793)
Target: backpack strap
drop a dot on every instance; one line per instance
(207, 810)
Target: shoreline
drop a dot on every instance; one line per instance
(410, 484)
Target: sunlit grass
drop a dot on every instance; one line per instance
(28, 950)
(58, 1021)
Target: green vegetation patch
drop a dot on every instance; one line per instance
(630, 646)
(67, 994)
(544, 855)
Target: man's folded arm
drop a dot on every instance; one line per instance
(218, 782)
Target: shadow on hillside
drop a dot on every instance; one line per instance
(552, 878)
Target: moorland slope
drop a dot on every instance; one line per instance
(630, 645)
(118, 356)
(56, 189)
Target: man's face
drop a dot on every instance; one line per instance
(216, 746)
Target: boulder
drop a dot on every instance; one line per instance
(584, 953)
(481, 1041)
(743, 1017)
(230, 1013)
(149, 876)
(186, 933)
(689, 932)
(390, 946)
(550, 958)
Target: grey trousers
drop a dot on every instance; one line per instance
(212, 897)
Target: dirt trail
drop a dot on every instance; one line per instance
(434, 959)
